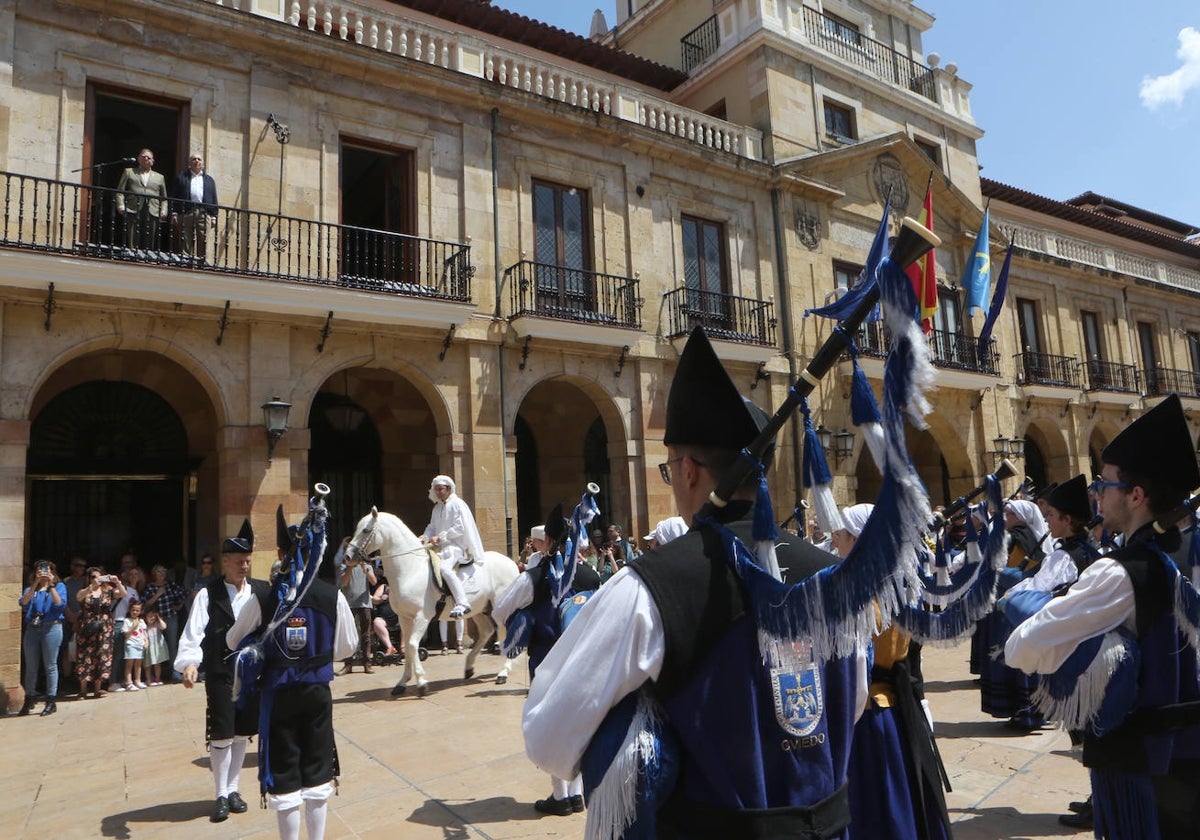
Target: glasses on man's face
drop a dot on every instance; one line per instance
(664, 469)
(1099, 486)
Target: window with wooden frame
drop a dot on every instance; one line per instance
(839, 121)
(704, 271)
(562, 247)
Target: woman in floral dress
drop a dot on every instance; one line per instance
(94, 645)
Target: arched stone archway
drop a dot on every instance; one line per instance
(940, 460)
(573, 442)
(1047, 456)
(122, 457)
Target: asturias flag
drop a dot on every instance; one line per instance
(977, 277)
(923, 273)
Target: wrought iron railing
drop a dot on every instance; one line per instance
(875, 57)
(1161, 380)
(700, 43)
(1046, 369)
(725, 317)
(948, 349)
(1110, 376)
(571, 294)
(961, 352)
(83, 220)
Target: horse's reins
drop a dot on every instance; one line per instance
(368, 535)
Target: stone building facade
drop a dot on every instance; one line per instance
(457, 241)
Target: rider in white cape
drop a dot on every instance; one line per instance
(452, 531)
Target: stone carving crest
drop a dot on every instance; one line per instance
(887, 173)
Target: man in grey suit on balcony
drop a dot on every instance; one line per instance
(142, 202)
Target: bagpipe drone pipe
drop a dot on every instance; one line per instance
(303, 547)
(831, 613)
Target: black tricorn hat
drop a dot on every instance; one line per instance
(556, 525)
(704, 407)
(243, 543)
(1071, 498)
(1158, 445)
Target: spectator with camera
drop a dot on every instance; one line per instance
(42, 604)
(94, 649)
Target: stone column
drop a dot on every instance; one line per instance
(14, 444)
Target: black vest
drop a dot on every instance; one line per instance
(217, 661)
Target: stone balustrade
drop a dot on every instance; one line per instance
(475, 54)
(1087, 253)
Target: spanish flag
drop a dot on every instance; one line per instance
(923, 273)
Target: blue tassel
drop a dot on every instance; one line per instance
(266, 779)
(764, 513)
(1194, 546)
(863, 407)
(1124, 806)
(816, 468)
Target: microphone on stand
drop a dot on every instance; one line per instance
(119, 162)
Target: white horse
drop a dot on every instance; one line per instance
(414, 591)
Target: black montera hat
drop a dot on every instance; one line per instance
(1158, 445)
(704, 407)
(243, 543)
(556, 525)
(284, 534)
(1071, 498)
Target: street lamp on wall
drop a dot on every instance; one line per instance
(275, 418)
(840, 444)
(1008, 447)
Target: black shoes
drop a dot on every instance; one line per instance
(27, 706)
(1081, 819)
(237, 805)
(221, 811)
(50, 708)
(555, 807)
(576, 803)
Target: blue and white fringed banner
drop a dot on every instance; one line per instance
(834, 610)
(1096, 688)
(562, 576)
(974, 600)
(287, 590)
(816, 476)
(945, 583)
(844, 306)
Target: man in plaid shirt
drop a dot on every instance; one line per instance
(168, 598)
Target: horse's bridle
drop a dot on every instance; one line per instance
(365, 538)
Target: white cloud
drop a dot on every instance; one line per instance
(1173, 87)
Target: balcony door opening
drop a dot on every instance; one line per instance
(120, 122)
(704, 275)
(1146, 346)
(378, 212)
(562, 250)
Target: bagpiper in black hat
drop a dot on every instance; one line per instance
(1070, 498)
(1157, 450)
(704, 407)
(243, 543)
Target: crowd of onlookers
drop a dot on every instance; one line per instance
(94, 631)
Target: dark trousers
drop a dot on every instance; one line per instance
(362, 620)
(141, 229)
(301, 751)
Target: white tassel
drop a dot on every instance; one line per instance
(875, 441)
(826, 509)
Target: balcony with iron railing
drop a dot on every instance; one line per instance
(868, 55)
(700, 44)
(1046, 369)
(544, 290)
(1111, 376)
(725, 317)
(1161, 380)
(83, 221)
(950, 350)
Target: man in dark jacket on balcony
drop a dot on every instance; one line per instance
(193, 206)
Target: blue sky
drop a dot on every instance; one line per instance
(1073, 95)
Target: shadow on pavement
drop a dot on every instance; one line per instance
(941, 686)
(497, 809)
(980, 729)
(990, 823)
(118, 825)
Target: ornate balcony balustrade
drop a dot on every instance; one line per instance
(1046, 369)
(82, 220)
(1110, 376)
(949, 349)
(725, 317)
(570, 294)
(1161, 380)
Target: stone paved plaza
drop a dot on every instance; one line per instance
(450, 766)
